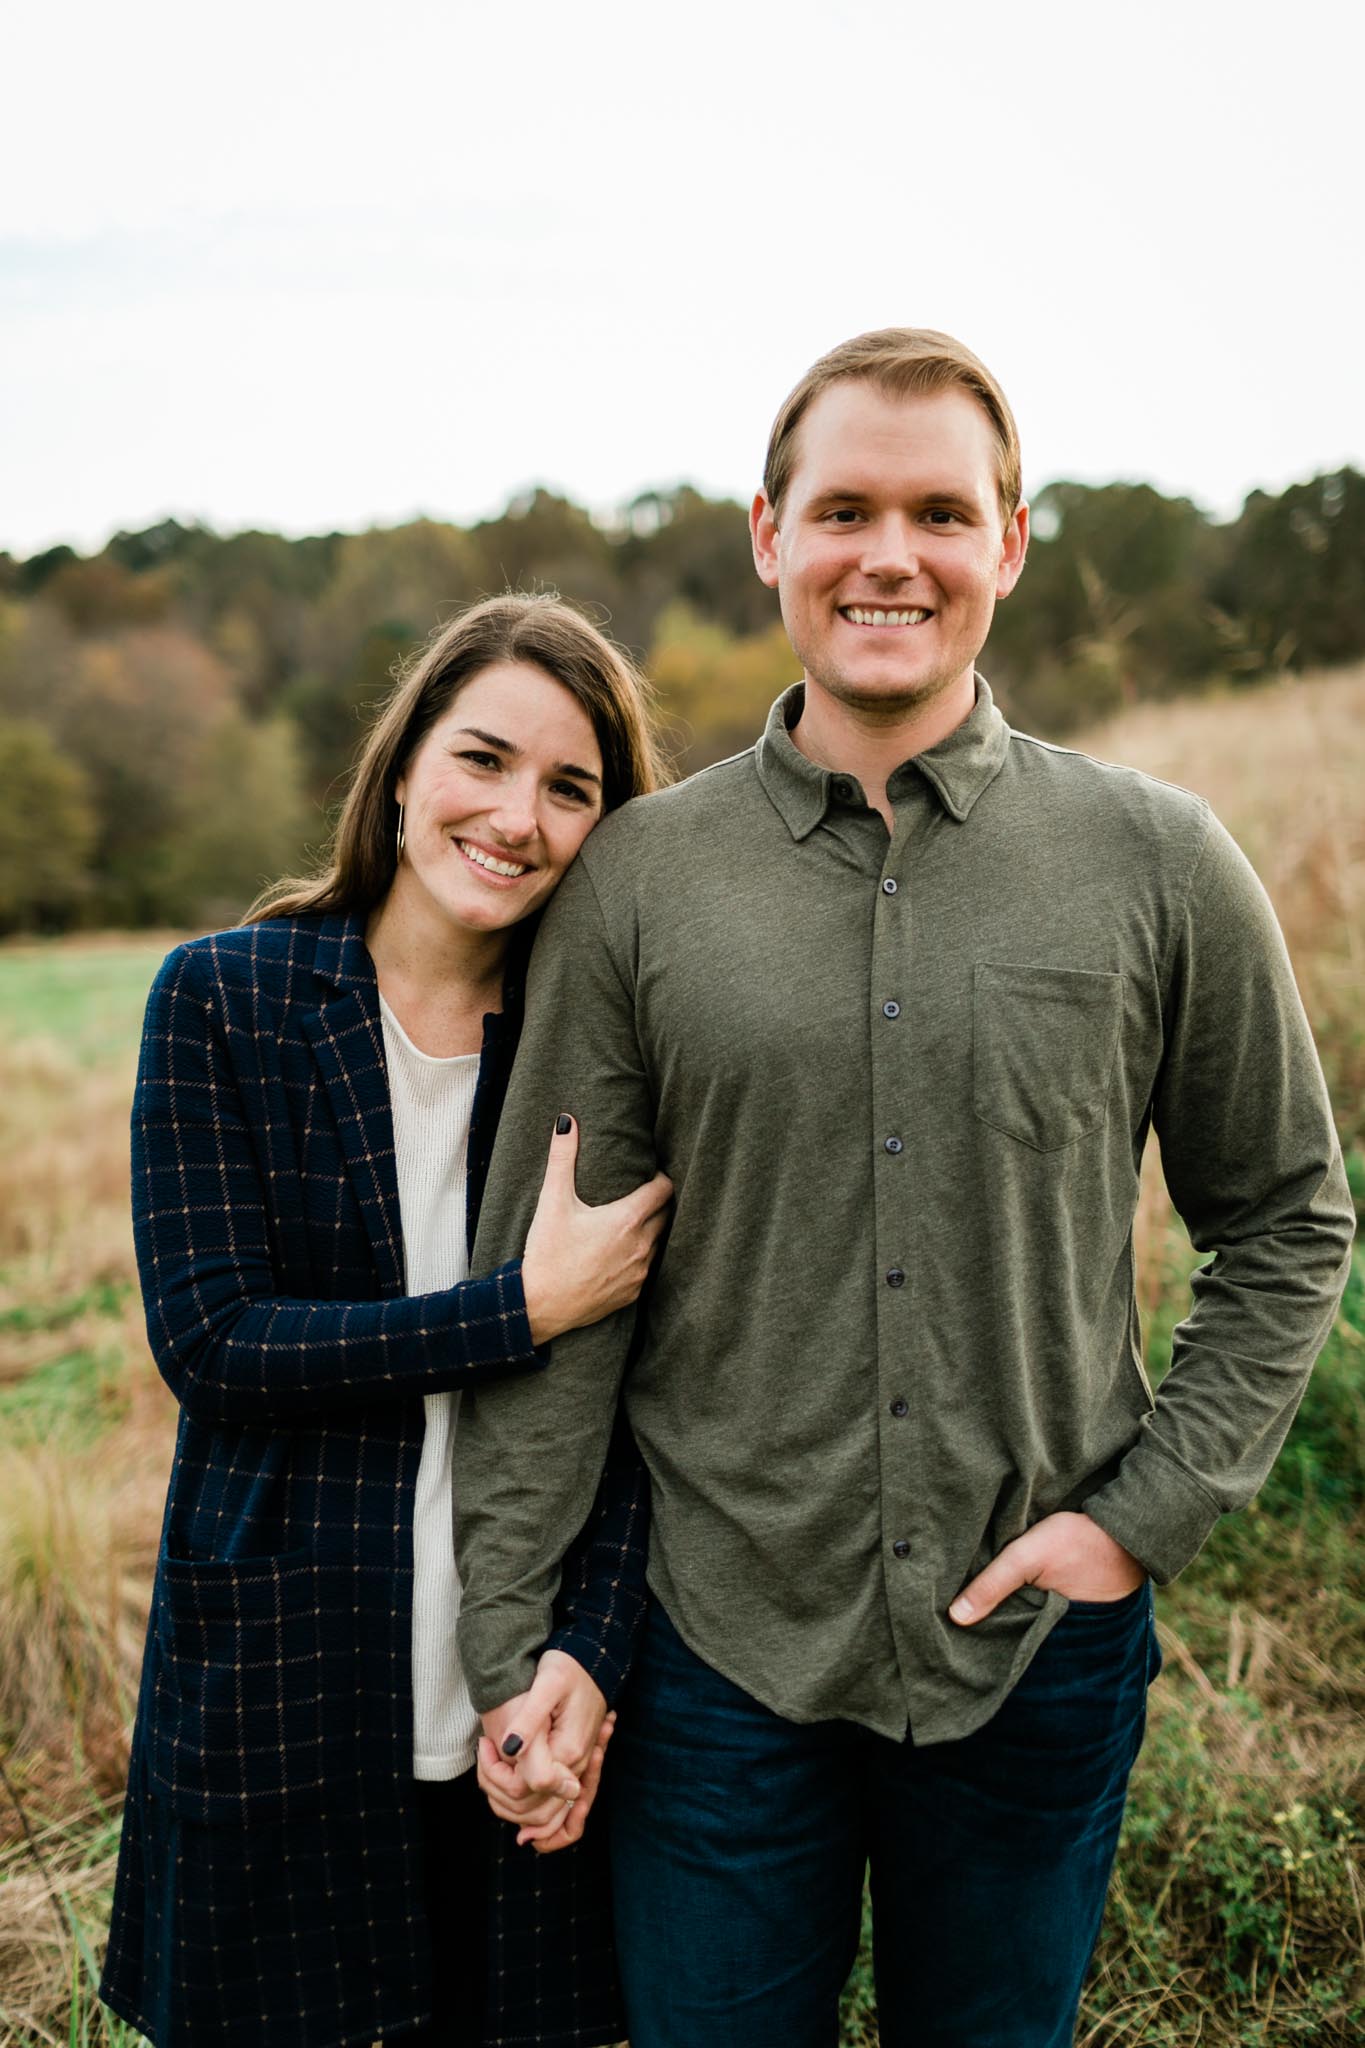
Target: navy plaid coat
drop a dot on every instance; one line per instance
(270, 1883)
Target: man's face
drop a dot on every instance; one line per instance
(890, 553)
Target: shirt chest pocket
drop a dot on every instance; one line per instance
(1044, 1041)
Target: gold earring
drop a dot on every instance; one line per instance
(398, 837)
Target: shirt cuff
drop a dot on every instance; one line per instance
(1155, 1510)
(584, 1645)
(505, 1339)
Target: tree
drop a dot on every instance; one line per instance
(1294, 582)
(137, 711)
(716, 690)
(1113, 605)
(679, 546)
(244, 822)
(47, 830)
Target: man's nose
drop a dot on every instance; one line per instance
(890, 552)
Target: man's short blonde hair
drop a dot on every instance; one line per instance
(904, 362)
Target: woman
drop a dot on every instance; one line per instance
(306, 1859)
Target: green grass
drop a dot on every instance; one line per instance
(89, 998)
(71, 1399)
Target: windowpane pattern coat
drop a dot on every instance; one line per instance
(269, 1884)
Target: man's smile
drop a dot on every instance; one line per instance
(864, 615)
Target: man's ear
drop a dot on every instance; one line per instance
(763, 536)
(1013, 549)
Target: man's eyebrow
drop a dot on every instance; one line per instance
(510, 747)
(852, 494)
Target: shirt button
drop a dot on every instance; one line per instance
(891, 1009)
(900, 1548)
(895, 1144)
(843, 788)
(889, 885)
(895, 1278)
(900, 1406)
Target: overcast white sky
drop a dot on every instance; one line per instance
(308, 266)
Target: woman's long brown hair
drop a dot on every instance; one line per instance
(541, 630)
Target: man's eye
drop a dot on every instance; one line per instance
(844, 515)
(941, 516)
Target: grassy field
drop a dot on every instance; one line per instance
(1237, 1917)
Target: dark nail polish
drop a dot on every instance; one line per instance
(563, 1125)
(512, 1745)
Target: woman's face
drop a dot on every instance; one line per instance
(499, 797)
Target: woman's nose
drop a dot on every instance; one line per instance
(513, 816)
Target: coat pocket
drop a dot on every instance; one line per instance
(239, 1723)
(1044, 1041)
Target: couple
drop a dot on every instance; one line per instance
(893, 999)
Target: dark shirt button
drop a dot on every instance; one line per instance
(895, 1144)
(889, 886)
(900, 1406)
(843, 788)
(891, 1009)
(900, 1548)
(895, 1278)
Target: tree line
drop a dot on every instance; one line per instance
(176, 711)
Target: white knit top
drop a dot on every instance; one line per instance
(433, 1101)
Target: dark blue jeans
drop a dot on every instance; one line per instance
(740, 1841)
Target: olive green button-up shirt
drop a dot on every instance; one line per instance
(902, 1085)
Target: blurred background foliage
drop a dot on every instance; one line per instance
(176, 712)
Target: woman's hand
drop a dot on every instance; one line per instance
(581, 1262)
(558, 1733)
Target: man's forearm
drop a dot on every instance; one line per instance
(527, 1471)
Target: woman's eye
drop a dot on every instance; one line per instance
(573, 790)
(479, 760)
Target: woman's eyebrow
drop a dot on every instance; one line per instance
(490, 739)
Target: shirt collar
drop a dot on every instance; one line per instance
(957, 769)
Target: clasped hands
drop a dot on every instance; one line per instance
(540, 1755)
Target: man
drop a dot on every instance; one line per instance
(895, 997)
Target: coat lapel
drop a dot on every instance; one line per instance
(347, 1038)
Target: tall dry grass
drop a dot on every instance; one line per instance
(85, 1434)
(83, 1460)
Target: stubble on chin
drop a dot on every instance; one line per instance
(879, 703)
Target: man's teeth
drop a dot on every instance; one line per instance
(861, 617)
(486, 860)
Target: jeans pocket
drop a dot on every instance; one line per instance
(1044, 1041)
(1100, 1608)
